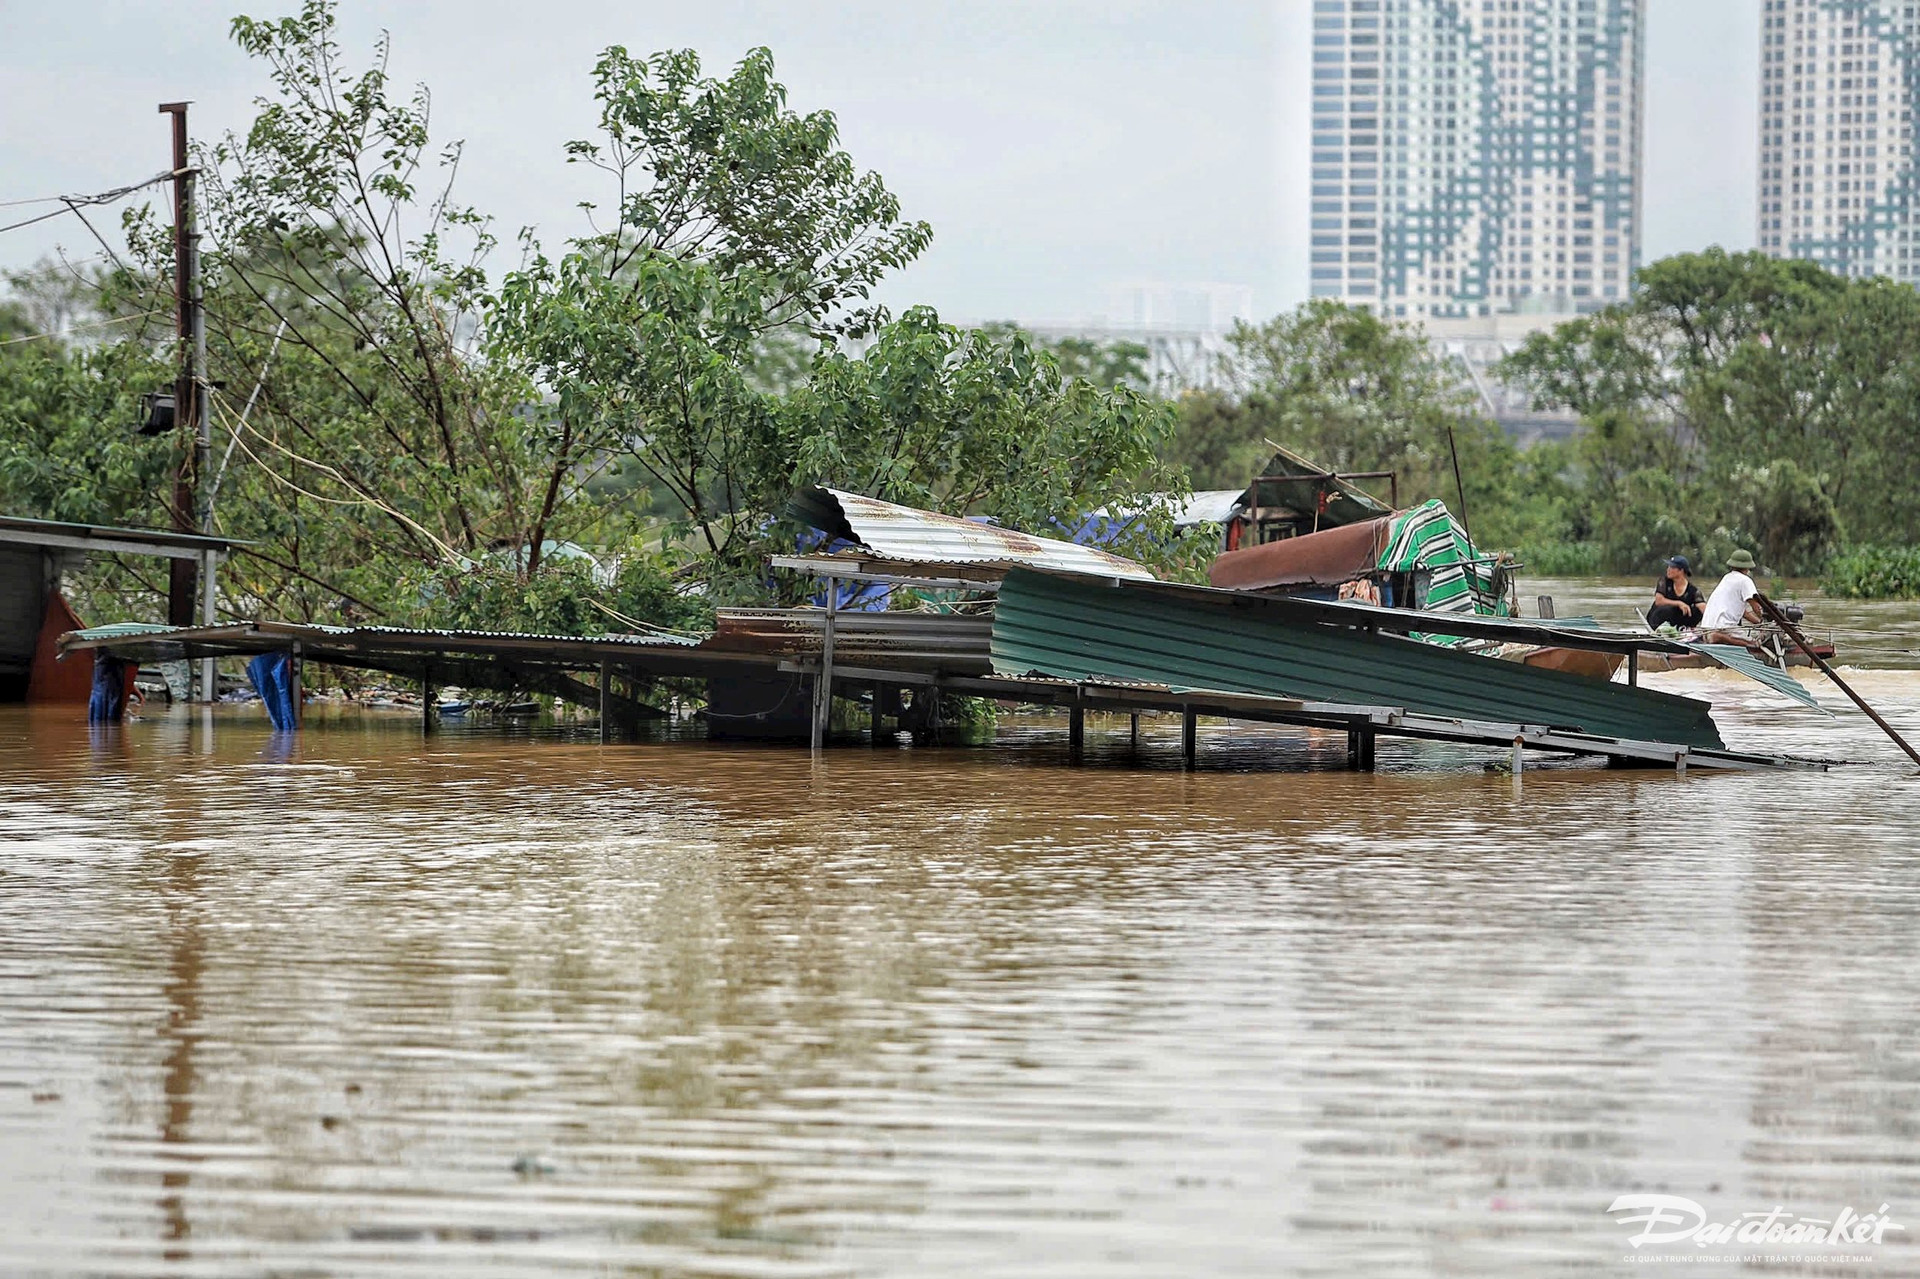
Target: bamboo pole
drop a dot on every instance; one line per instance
(1792, 632)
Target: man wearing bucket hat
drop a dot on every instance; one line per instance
(1732, 603)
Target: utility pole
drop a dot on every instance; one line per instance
(193, 407)
(181, 576)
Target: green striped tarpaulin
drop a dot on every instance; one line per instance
(1460, 580)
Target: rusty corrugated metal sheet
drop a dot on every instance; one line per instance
(1234, 642)
(924, 537)
(1326, 558)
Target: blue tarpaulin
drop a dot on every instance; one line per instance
(272, 676)
(109, 700)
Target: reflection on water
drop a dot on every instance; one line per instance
(351, 1002)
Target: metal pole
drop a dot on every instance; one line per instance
(427, 699)
(180, 572)
(1633, 668)
(1792, 632)
(298, 667)
(823, 691)
(1189, 735)
(1133, 730)
(209, 684)
(1076, 727)
(606, 704)
(1459, 487)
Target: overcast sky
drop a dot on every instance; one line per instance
(1058, 147)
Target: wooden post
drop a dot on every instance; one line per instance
(428, 696)
(1353, 748)
(873, 714)
(606, 704)
(1133, 730)
(1189, 735)
(1367, 737)
(1076, 726)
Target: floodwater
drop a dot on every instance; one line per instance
(495, 1003)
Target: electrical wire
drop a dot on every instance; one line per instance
(72, 202)
(76, 328)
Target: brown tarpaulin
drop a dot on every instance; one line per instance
(1326, 558)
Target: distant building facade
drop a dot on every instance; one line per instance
(1473, 158)
(1838, 87)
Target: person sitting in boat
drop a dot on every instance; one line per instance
(1676, 600)
(1732, 603)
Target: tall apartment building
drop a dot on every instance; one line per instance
(1838, 83)
(1476, 158)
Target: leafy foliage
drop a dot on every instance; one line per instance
(1738, 399)
(1875, 573)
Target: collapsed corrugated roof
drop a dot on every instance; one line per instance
(1196, 637)
(925, 537)
(1291, 485)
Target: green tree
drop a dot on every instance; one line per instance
(1773, 397)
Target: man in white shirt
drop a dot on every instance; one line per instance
(1732, 603)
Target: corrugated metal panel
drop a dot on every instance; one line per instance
(108, 532)
(1326, 558)
(1736, 658)
(120, 630)
(924, 537)
(1207, 506)
(1193, 638)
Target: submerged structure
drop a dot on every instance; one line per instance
(1051, 623)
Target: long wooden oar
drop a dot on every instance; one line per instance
(1792, 632)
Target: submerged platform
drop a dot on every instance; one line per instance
(1063, 639)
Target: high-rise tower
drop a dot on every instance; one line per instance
(1476, 158)
(1839, 81)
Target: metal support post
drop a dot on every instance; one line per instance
(823, 686)
(606, 703)
(1133, 730)
(428, 696)
(1353, 748)
(879, 696)
(297, 669)
(209, 678)
(1633, 669)
(1189, 735)
(1076, 727)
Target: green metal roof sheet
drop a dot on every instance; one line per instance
(1736, 658)
(1237, 642)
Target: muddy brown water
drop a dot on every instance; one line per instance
(510, 1002)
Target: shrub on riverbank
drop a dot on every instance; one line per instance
(1874, 573)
